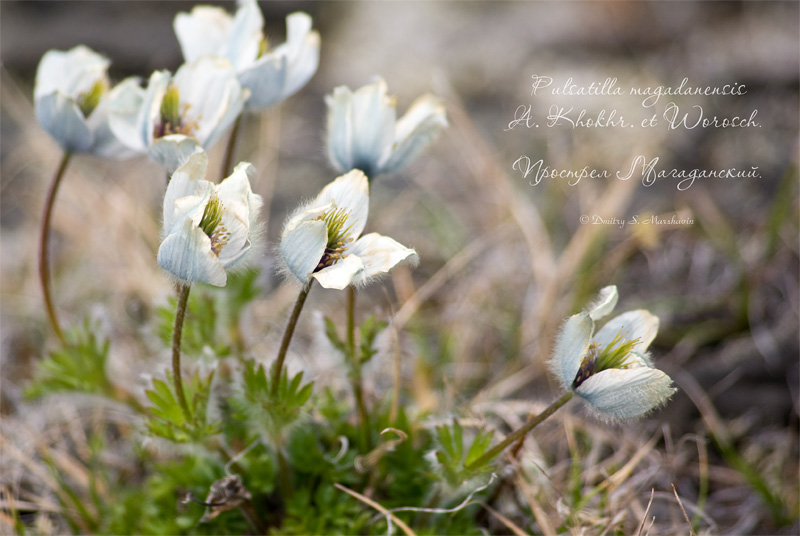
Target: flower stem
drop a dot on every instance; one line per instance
(287, 337)
(180, 314)
(226, 164)
(521, 432)
(44, 254)
(355, 374)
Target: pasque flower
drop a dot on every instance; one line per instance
(71, 97)
(208, 228)
(322, 240)
(271, 75)
(174, 113)
(611, 368)
(364, 132)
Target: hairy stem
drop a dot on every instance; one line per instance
(521, 432)
(44, 250)
(230, 148)
(355, 374)
(287, 337)
(180, 314)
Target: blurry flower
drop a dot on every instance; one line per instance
(364, 133)
(270, 75)
(71, 97)
(208, 227)
(200, 102)
(321, 239)
(611, 369)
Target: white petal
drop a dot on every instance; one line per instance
(373, 124)
(303, 247)
(626, 393)
(244, 40)
(351, 193)
(202, 32)
(241, 207)
(379, 254)
(185, 182)
(186, 253)
(105, 144)
(340, 128)
(209, 89)
(423, 121)
(302, 51)
(639, 324)
(604, 303)
(341, 274)
(72, 72)
(265, 79)
(174, 150)
(570, 348)
(125, 114)
(60, 117)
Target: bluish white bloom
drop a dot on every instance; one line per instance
(200, 102)
(321, 239)
(611, 369)
(207, 227)
(364, 132)
(71, 97)
(270, 75)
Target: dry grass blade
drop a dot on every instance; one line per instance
(646, 510)
(505, 521)
(683, 510)
(366, 500)
(538, 512)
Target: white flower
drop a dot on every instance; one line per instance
(321, 239)
(364, 133)
(71, 97)
(200, 102)
(611, 369)
(207, 227)
(270, 75)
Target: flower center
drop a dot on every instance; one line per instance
(338, 237)
(212, 226)
(263, 46)
(89, 100)
(613, 356)
(173, 116)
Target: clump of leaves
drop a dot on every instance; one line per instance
(168, 419)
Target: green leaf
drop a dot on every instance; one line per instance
(333, 336)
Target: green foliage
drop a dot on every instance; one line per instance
(213, 316)
(370, 329)
(455, 463)
(168, 420)
(80, 365)
(273, 410)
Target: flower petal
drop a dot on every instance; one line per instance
(341, 274)
(126, 94)
(60, 117)
(302, 51)
(379, 254)
(303, 247)
(212, 95)
(203, 31)
(186, 253)
(241, 209)
(174, 150)
(570, 348)
(373, 122)
(185, 182)
(626, 393)
(72, 72)
(351, 193)
(340, 128)
(639, 324)
(420, 125)
(604, 303)
(265, 79)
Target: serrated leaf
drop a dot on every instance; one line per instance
(333, 336)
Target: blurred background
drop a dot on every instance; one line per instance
(503, 262)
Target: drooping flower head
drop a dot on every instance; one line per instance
(322, 240)
(271, 75)
(207, 227)
(611, 369)
(71, 97)
(364, 132)
(198, 104)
